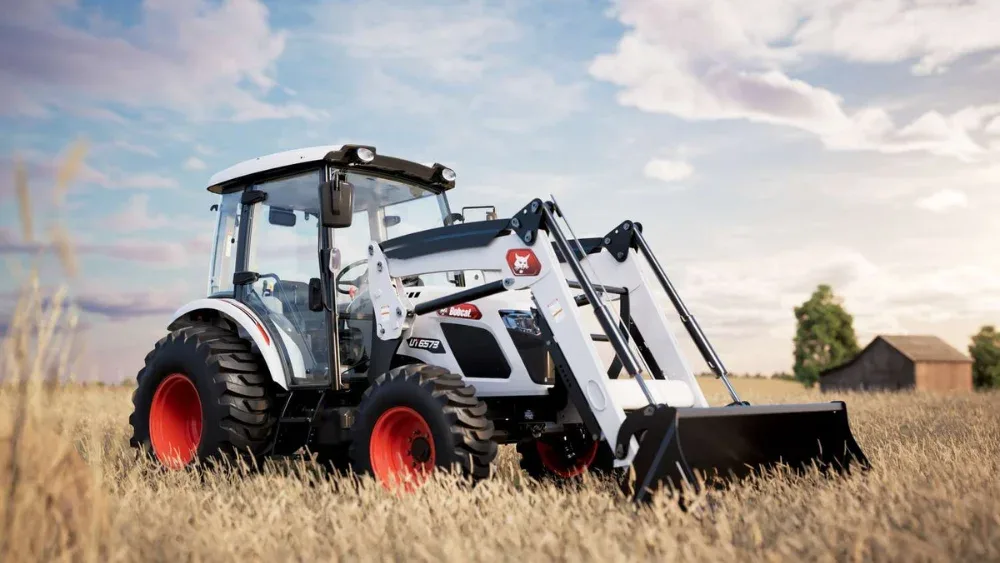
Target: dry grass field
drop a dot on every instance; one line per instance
(81, 494)
(72, 490)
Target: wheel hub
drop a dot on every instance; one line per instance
(175, 421)
(401, 448)
(420, 449)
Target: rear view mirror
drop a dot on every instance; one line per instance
(336, 204)
(281, 217)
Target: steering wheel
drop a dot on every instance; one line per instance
(280, 295)
(356, 281)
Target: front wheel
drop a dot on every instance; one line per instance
(565, 456)
(416, 418)
(203, 393)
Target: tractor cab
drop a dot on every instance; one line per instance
(309, 284)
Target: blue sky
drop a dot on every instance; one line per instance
(766, 149)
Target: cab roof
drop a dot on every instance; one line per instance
(281, 163)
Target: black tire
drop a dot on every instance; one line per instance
(462, 435)
(532, 462)
(234, 390)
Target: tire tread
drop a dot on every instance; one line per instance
(245, 399)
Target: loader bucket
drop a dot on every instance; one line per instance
(722, 444)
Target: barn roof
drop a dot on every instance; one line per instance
(922, 348)
(917, 348)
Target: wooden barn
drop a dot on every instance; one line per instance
(893, 362)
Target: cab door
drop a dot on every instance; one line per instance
(280, 257)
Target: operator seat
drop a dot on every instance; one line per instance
(294, 297)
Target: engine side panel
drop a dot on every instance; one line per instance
(505, 359)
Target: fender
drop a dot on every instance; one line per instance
(242, 316)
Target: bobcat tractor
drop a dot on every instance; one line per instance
(352, 315)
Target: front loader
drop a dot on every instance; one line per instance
(453, 340)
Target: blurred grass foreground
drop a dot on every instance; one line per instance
(72, 490)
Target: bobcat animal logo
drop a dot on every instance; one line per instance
(523, 262)
(520, 262)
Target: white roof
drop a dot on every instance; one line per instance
(275, 160)
(272, 161)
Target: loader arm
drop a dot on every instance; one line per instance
(535, 267)
(644, 320)
(664, 443)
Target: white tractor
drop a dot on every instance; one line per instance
(351, 314)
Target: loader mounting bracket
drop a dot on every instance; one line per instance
(566, 387)
(659, 456)
(620, 239)
(527, 221)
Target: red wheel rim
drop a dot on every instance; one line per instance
(401, 448)
(554, 461)
(175, 421)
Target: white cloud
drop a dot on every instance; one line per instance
(135, 148)
(943, 200)
(141, 181)
(526, 100)
(119, 306)
(895, 182)
(518, 188)
(668, 170)
(176, 57)
(42, 171)
(994, 127)
(935, 33)
(42, 168)
(385, 92)
(194, 163)
(479, 67)
(134, 253)
(731, 59)
(745, 304)
(400, 32)
(135, 216)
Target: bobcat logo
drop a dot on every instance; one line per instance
(520, 263)
(523, 262)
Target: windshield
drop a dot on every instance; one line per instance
(409, 208)
(385, 209)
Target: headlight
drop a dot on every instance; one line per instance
(522, 321)
(448, 175)
(365, 155)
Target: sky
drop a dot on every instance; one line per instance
(766, 147)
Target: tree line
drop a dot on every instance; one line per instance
(825, 338)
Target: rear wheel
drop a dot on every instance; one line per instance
(202, 393)
(416, 418)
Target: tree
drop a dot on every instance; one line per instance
(824, 337)
(985, 352)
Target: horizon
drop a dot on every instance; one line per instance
(765, 150)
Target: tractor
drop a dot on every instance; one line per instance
(352, 315)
